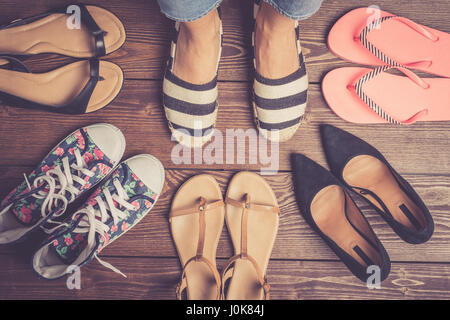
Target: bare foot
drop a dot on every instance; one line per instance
(198, 49)
(275, 44)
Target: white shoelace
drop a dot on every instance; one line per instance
(60, 182)
(94, 220)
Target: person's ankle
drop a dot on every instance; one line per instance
(276, 53)
(204, 29)
(270, 21)
(196, 53)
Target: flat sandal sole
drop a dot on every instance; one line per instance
(262, 229)
(61, 86)
(185, 232)
(52, 35)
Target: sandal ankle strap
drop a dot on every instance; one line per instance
(227, 273)
(201, 208)
(247, 206)
(182, 285)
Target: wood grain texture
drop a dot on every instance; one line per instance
(419, 148)
(303, 266)
(147, 47)
(156, 278)
(295, 239)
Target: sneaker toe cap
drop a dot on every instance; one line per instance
(109, 139)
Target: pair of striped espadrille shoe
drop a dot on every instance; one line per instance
(191, 109)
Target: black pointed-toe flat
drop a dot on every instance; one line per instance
(363, 169)
(329, 210)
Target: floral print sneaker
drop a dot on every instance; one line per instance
(73, 167)
(114, 208)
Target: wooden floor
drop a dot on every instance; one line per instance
(302, 266)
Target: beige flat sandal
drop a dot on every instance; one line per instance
(97, 32)
(196, 222)
(252, 216)
(77, 88)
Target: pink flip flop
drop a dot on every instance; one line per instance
(362, 95)
(374, 37)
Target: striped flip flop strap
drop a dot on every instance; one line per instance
(359, 88)
(376, 24)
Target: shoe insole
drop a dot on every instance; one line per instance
(201, 284)
(61, 86)
(332, 210)
(51, 34)
(397, 95)
(393, 37)
(10, 228)
(369, 173)
(49, 265)
(262, 228)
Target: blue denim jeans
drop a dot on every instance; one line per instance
(190, 10)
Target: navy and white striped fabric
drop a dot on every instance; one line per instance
(191, 109)
(279, 104)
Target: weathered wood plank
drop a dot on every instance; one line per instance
(146, 50)
(295, 239)
(419, 148)
(146, 254)
(155, 278)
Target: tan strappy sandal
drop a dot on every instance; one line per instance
(252, 217)
(196, 222)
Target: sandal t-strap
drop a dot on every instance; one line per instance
(201, 208)
(247, 206)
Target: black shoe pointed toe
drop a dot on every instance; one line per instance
(329, 210)
(363, 169)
